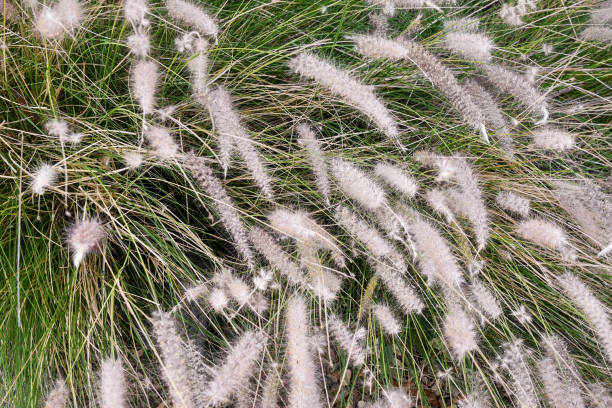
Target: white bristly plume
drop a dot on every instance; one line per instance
(597, 33)
(232, 135)
(161, 141)
(436, 260)
(139, 44)
(514, 360)
(357, 185)
(485, 300)
(198, 68)
(217, 299)
(271, 387)
(63, 16)
(514, 84)
(43, 178)
(472, 46)
(276, 256)
(403, 293)
(174, 362)
(112, 385)
(558, 374)
(513, 202)
(467, 200)
(232, 375)
(58, 396)
(352, 343)
(387, 320)
(350, 89)
(304, 387)
(193, 16)
(369, 236)
(545, 234)
(70, 13)
(600, 395)
(436, 72)
(85, 237)
(594, 310)
(310, 142)
(591, 208)
(135, 11)
(459, 332)
(57, 128)
(301, 227)
(393, 398)
(551, 138)
(397, 178)
(132, 159)
(144, 83)
(222, 202)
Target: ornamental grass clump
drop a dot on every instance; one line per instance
(381, 203)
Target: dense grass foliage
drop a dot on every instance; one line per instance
(165, 234)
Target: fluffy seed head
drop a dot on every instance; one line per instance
(550, 138)
(58, 396)
(112, 386)
(592, 307)
(460, 332)
(144, 81)
(58, 128)
(43, 178)
(161, 141)
(472, 46)
(193, 16)
(304, 388)
(543, 233)
(357, 185)
(308, 139)
(84, 238)
(132, 159)
(387, 319)
(139, 44)
(397, 178)
(351, 90)
(229, 378)
(70, 13)
(135, 11)
(513, 202)
(48, 24)
(217, 299)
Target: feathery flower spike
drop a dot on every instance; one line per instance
(145, 81)
(590, 208)
(43, 178)
(514, 360)
(58, 396)
(193, 16)
(387, 320)
(304, 391)
(161, 141)
(439, 75)
(308, 139)
(357, 185)
(550, 138)
(593, 308)
(222, 202)
(85, 237)
(232, 135)
(175, 368)
(460, 332)
(513, 202)
(135, 11)
(240, 363)
(112, 386)
(547, 235)
(353, 343)
(397, 178)
(403, 293)
(301, 227)
(341, 83)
